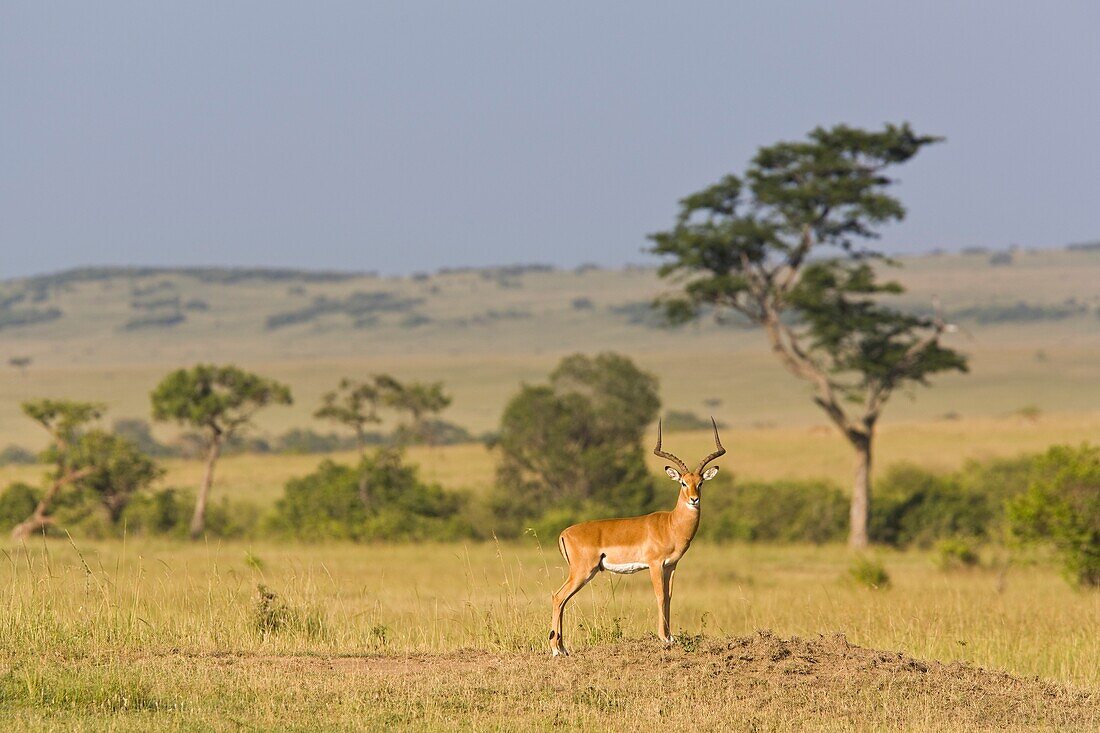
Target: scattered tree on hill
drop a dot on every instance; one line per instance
(749, 245)
(139, 432)
(219, 401)
(63, 420)
(574, 445)
(21, 363)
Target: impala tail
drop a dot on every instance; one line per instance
(561, 546)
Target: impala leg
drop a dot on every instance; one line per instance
(578, 578)
(661, 576)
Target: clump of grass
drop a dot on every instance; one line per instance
(380, 634)
(869, 572)
(253, 560)
(271, 614)
(955, 554)
(598, 632)
(690, 643)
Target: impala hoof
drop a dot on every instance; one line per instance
(562, 652)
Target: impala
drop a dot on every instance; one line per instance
(654, 541)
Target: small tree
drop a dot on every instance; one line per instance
(353, 405)
(63, 420)
(1062, 506)
(748, 246)
(219, 401)
(117, 470)
(418, 399)
(577, 440)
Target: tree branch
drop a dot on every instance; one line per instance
(790, 354)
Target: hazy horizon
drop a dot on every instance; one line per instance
(400, 139)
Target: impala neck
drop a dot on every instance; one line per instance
(684, 519)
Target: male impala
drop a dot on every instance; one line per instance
(655, 541)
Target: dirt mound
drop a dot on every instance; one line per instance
(767, 654)
(758, 682)
(828, 677)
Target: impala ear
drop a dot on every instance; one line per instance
(710, 473)
(672, 473)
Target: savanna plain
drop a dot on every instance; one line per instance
(148, 633)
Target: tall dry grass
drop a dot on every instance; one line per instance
(75, 599)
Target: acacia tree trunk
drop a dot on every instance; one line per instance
(198, 520)
(40, 517)
(861, 492)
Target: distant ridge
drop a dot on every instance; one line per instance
(229, 275)
(203, 274)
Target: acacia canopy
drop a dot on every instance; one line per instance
(787, 247)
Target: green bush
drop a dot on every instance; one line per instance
(677, 420)
(1062, 507)
(870, 573)
(781, 511)
(305, 440)
(913, 506)
(17, 502)
(955, 553)
(327, 504)
(999, 479)
(14, 455)
(167, 512)
(164, 512)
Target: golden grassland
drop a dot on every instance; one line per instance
(140, 634)
(752, 389)
(754, 454)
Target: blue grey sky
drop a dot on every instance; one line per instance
(412, 135)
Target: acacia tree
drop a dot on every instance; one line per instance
(219, 401)
(63, 420)
(118, 470)
(786, 248)
(353, 405)
(420, 400)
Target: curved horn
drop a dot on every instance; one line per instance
(668, 456)
(721, 451)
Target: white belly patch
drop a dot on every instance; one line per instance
(625, 568)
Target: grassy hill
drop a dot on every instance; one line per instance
(109, 334)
